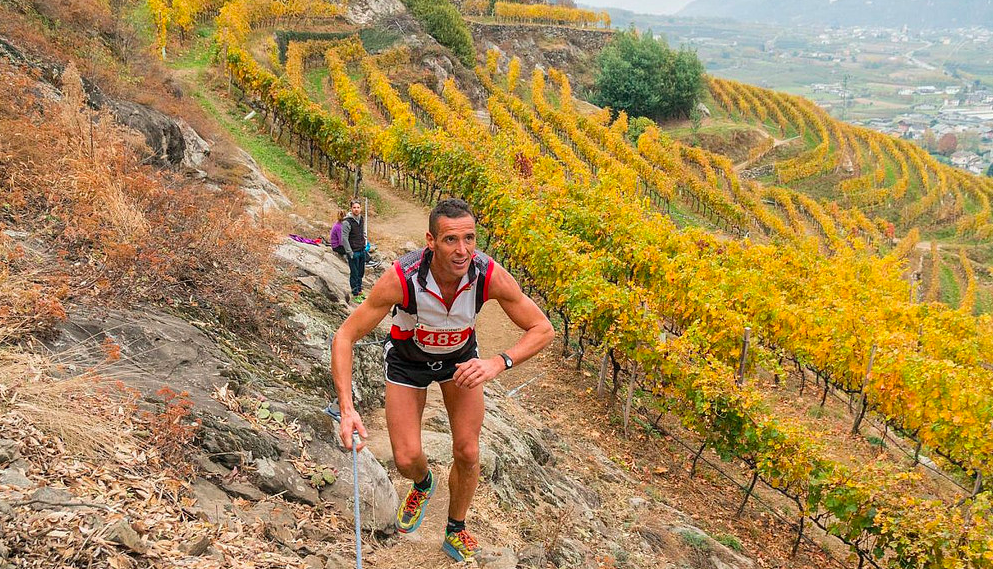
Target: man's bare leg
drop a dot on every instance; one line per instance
(465, 414)
(404, 409)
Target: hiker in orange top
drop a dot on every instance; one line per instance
(435, 294)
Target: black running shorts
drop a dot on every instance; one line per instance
(420, 375)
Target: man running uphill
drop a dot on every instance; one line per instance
(435, 295)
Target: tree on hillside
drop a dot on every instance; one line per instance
(643, 76)
(947, 144)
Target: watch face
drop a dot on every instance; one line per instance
(507, 362)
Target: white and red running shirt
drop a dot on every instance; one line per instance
(425, 328)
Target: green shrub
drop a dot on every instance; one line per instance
(644, 77)
(445, 24)
(636, 127)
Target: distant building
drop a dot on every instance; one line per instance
(965, 159)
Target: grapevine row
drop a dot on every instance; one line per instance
(546, 14)
(700, 389)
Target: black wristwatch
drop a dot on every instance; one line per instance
(507, 362)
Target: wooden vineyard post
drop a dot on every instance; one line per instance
(744, 356)
(565, 334)
(976, 488)
(581, 351)
(627, 404)
(864, 404)
(827, 388)
(602, 384)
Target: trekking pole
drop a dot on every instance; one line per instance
(355, 478)
(334, 412)
(513, 392)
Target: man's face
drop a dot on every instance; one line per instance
(453, 247)
(356, 209)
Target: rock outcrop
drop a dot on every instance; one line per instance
(569, 49)
(170, 141)
(365, 12)
(245, 453)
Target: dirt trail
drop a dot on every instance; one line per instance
(401, 220)
(406, 220)
(776, 143)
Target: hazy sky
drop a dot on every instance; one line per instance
(641, 6)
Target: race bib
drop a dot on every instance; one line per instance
(440, 340)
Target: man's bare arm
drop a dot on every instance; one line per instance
(384, 294)
(538, 331)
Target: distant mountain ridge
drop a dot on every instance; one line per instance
(887, 13)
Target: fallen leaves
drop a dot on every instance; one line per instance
(132, 508)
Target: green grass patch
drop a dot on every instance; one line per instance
(984, 302)
(875, 441)
(277, 162)
(729, 541)
(949, 291)
(697, 541)
(200, 54)
(313, 82)
(722, 129)
(943, 233)
(684, 218)
(377, 39)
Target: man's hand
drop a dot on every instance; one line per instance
(476, 372)
(351, 422)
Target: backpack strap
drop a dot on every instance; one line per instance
(484, 274)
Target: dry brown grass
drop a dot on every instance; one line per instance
(30, 301)
(116, 230)
(84, 411)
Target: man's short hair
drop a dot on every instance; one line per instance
(452, 208)
(353, 202)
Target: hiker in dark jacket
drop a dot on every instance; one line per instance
(353, 240)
